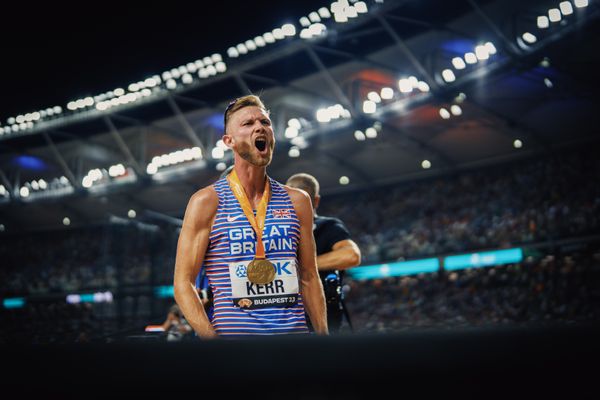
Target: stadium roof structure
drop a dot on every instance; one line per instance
(361, 94)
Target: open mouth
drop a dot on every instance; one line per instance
(261, 144)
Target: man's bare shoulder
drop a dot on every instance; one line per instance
(297, 195)
(203, 203)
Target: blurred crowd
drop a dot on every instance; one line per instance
(542, 289)
(503, 206)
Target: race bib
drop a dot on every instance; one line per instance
(282, 292)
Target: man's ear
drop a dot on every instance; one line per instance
(228, 140)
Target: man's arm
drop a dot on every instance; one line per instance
(311, 286)
(343, 255)
(191, 249)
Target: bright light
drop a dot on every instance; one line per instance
(369, 107)
(35, 185)
(481, 52)
(295, 123)
(554, 15)
(361, 7)
(171, 84)
(470, 58)
(278, 33)
(548, 83)
(344, 180)
(324, 12)
(387, 93)
(233, 52)
(291, 132)
(151, 169)
(426, 164)
(220, 67)
(304, 21)
(543, 22)
(581, 3)
(371, 133)
(269, 38)
(24, 191)
(458, 63)
(250, 45)
(423, 86)
(221, 166)
(187, 79)
(260, 41)
(119, 92)
(358, 135)
(456, 110)
(66, 221)
(517, 144)
(217, 153)
(445, 114)
(294, 152)
(405, 85)
(131, 213)
(314, 17)
(323, 115)
(196, 153)
(566, 8)
(448, 75)
(242, 49)
(529, 37)
(374, 96)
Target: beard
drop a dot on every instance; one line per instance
(249, 153)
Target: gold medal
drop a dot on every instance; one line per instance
(261, 271)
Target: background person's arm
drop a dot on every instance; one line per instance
(343, 255)
(311, 286)
(191, 249)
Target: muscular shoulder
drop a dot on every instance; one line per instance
(203, 205)
(301, 201)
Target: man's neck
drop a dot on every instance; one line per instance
(253, 180)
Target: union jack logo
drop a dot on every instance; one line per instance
(282, 213)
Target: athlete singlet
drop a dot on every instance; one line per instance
(240, 306)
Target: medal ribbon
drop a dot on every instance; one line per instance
(258, 222)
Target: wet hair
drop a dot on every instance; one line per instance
(239, 103)
(306, 182)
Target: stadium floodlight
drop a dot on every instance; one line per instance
(423, 86)
(351, 12)
(295, 123)
(182, 70)
(66, 221)
(517, 144)
(361, 7)
(445, 114)
(199, 64)
(232, 52)
(294, 152)
(216, 57)
(250, 45)
(545, 62)
(207, 60)
(72, 106)
(566, 8)
(220, 67)
(191, 67)
(260, 41)
(305, 34)
(548, 83)
(344, 180)
(304, 21)
(405, 85)
(374, 96)
(242, 49)
(35, 185)
(221, 166)
(291, 132)
(324, 12)
(171, 84)
(543, 22)
(387, 93)
(369, 107)
(288, 29)
(425, 164)
(175, 73)
(448, 75)
(529, 37)
(131, 213)
(456, 110)
(481, 52)
(299, 141)
(43, 185)
(470, 58)
(314, 17)
(11, 120)
(118, 92)
(458, 63)
(211, 70)
(581, 3)
(187, 78)
(359, 135)
(554, 15)
(2, 190)
(371, 133)
(151, 169)
(278, 33)
(269, 38)
(24, 191)
(217, 153)
(323, 115)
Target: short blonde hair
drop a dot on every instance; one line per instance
(239, 103)
(306, 182)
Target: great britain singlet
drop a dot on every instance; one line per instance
(240, 306)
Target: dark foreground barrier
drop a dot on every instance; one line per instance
(465, 363)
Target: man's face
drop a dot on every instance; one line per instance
(250, 134)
